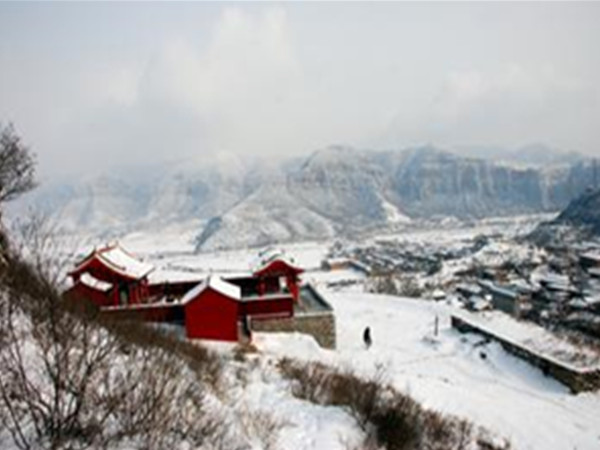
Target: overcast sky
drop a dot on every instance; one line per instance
(89, 85)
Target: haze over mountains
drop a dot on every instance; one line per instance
(334, 191)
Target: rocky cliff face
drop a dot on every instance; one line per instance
(335, 190)
(579, 221)
(583, 212)
(339, 190)
(430, 182)
(340, 184)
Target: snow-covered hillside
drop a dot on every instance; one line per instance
(453, 373)
(448, 373)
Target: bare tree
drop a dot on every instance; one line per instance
(70, 379)
(17, 165)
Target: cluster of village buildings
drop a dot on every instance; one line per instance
(565, 293)
(562, 290)
(558, 289)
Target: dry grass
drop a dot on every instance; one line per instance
(389, 419)
(262, 426)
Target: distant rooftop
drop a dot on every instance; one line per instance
(269, 255)
(593, 255)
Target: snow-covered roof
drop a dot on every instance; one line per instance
(266, 257)
(438, 294)
(471, 289)
(339, 260)
(479, 304)
(360, 266)
(493, 288)
(554, 278)
(592, 255)
(125, 262)
(95, 283)
(119, 260)
(163, 276)
(593, 299)
(216, 283)
(594, 272)
(522, 286)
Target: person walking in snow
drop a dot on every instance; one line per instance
(367, 337)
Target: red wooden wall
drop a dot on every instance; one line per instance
(80, 291)
(156, 313)
(211, 315)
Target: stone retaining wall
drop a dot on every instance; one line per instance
(321, 326)
(578, 380)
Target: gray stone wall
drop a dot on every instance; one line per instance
(576, 380)
(319, 326)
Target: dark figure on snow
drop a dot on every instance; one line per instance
(367, 337)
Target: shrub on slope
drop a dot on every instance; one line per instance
(69, 380)
(390, 419)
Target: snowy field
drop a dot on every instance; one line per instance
(447, 373)
(500, 392)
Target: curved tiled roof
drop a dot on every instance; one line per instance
(117, 259)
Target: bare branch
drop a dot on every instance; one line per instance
(17, 165)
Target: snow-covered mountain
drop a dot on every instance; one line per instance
(270, 214)
(336, 190)
(150, 195)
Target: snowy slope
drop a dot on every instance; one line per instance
(500, 392)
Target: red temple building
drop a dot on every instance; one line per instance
(111, 276)
(209, 308)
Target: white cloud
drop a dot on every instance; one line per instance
(243, 93)
(93, 86)
(512, 105)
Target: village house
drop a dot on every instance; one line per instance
(468, 290)
(333, 264)
(271, 298)
(590, 259)
(506, 298)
